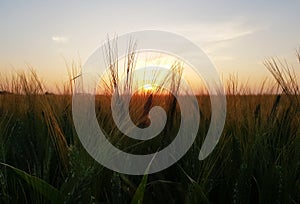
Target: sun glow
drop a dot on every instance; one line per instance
(148, 87)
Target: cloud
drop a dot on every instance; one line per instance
(217, 38)
(60, 39)
(217, 32)
(229, 35)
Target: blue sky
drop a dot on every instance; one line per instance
(236, 35)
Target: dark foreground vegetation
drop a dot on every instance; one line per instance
(256, 161)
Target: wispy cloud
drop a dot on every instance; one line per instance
(216, 37)
(217, 32)
(60, 39)
(228, 35)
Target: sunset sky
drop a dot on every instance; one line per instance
(236, 35)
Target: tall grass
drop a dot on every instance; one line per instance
(256, 161)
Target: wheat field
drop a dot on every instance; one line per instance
(256, 161)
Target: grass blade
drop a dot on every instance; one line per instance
(38, 185)
(140, 191)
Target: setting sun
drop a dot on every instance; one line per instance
(148, 87)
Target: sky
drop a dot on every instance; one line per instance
(236, 35)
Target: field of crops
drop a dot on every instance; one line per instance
(257, 159)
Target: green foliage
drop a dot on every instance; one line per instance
(51, 193)
(140, 191)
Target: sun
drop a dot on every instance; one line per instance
(148, 87)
